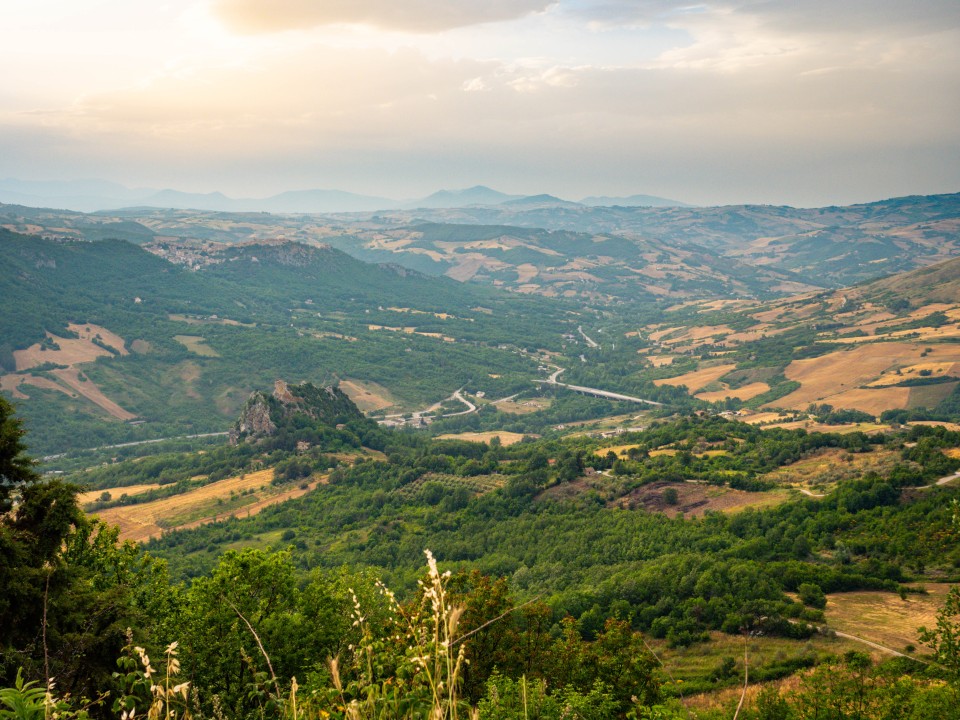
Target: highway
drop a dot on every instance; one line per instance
(596, 392)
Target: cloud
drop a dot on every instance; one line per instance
(818, 16)
(751, 106)
(421, 16)
(857, 17)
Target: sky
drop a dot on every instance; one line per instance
(801, 102)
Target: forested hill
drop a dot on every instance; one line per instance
(110, 343)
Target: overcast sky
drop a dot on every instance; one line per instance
(804, 102)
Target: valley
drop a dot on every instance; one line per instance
(676, 439)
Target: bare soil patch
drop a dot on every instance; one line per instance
(213, 320)
(524, 407)
(189, 374)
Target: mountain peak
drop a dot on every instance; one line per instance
(476, 195)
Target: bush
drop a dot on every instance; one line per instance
(811, 595)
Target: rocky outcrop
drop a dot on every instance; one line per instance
(254, 420)
(265, 415)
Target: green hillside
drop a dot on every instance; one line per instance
(197, 342)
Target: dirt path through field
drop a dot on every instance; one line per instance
(71, 378)
(876, 646)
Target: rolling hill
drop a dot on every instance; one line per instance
(880, 346)
(111, 343)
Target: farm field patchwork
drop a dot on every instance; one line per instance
(839, 378)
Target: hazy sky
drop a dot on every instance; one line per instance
(780, 101)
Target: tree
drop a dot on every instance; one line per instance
(811, 595)
(16, 467)
(944, 639)
(61, 617)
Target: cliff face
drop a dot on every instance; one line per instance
(265, 415)
(254, 420)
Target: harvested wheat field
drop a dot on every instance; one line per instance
(670, 336)
(242, 495)
(72, 351)
(70, 384)
(953, 427)
(618, 450)
(12, 384)
(883, 618)
(197, 345)
(657, 360)
(506, 438)
(699, 378)
(743, 393)
(87, 388)
(837, 378)
(934, 369)
(368, 396)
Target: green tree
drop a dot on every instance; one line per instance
(61, 617)
(944, 639)
(16, 467)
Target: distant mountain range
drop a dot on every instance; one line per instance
(542, 244)
(97, 195)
